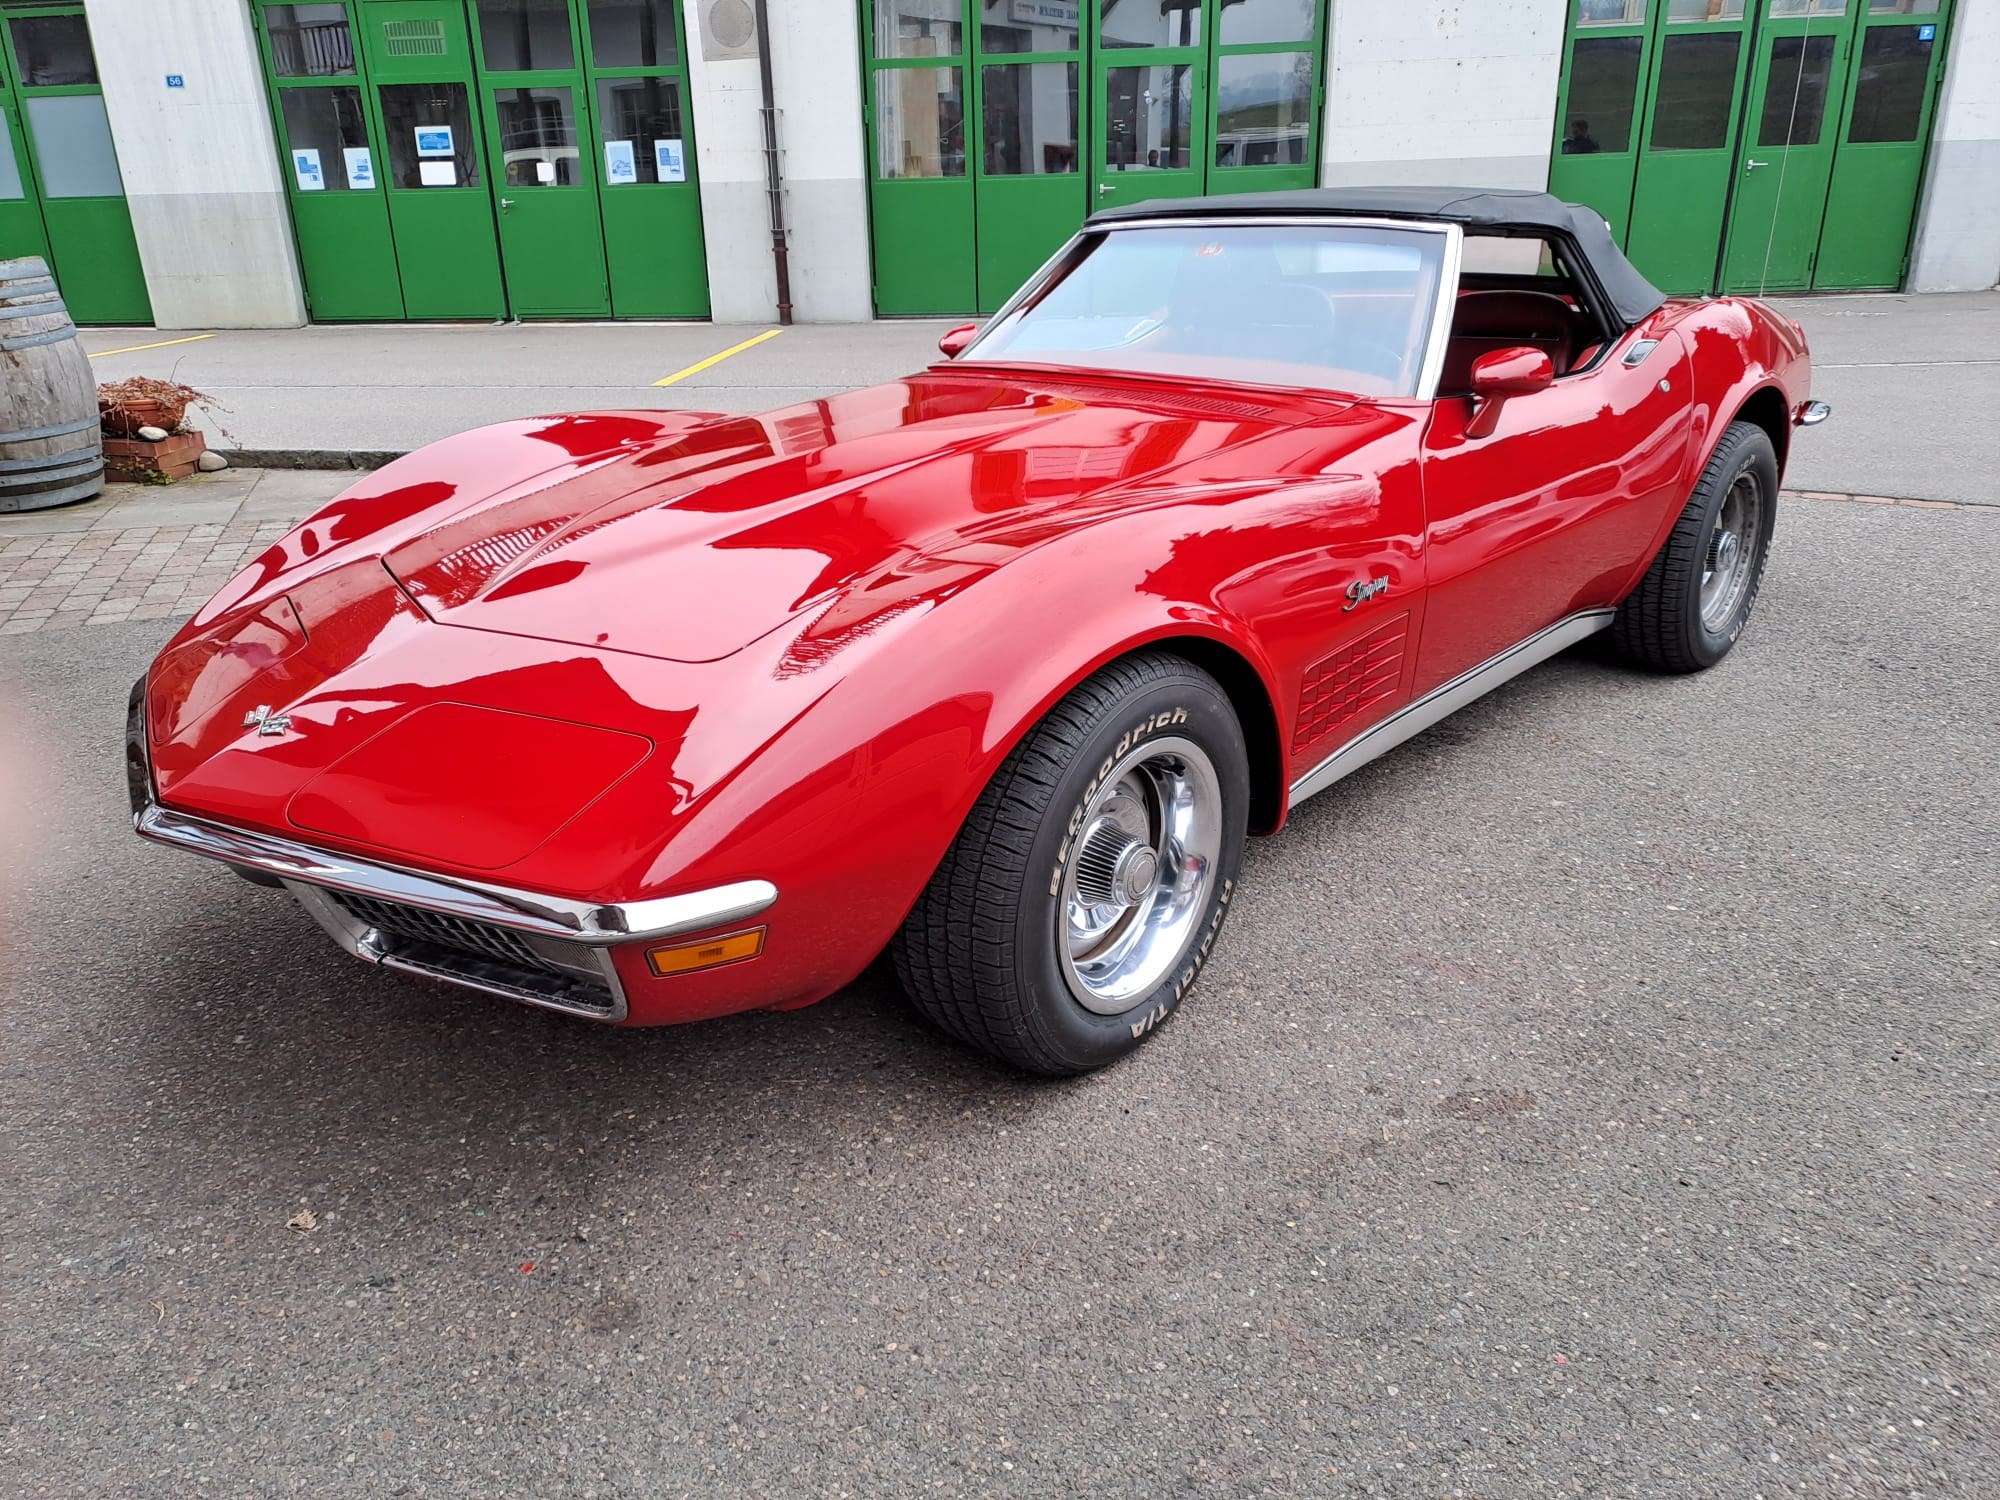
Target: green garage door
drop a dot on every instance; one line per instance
(488, 158)
(1878, 162)
(61, 196)
(997, 126)
(1771, 147)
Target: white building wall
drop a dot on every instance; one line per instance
(1957, 243)
(817, 60)
(1441, 92)
(200, 162)
(816, 68)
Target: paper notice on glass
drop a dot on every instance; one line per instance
(434, 140)
(306, 167)
(437, 173)
(671, 162)
(621, 164)
(360, 167)
(545, 172)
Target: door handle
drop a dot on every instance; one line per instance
(1103, 188)
(1752, 166)
(506, 202)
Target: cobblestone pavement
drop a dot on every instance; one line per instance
(141, 553)
(144, 553)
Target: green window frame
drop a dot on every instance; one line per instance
(85, 219)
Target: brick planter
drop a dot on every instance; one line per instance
(134, 460)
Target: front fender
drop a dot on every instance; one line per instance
(849, 808)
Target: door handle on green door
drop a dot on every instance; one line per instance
(506, 202)
(1103, 188)
(1754, 165)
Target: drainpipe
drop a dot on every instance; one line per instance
(773, 178)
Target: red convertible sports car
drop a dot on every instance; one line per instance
(653, 716)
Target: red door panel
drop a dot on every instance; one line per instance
(1549, 513)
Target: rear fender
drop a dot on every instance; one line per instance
(1746, 361)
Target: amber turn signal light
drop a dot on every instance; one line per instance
(709, 953)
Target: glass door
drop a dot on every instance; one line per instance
(331, 163)
(433, 168)
(997, 126)
(920, 197)
(545, 185)
(1028, 183)
(1879, 162)
(1680, 191)
(1266, 96)
(1150, 115)
(21, 231)
(1786, 156)
(1596, 154)
(643, 146)
(87, 226)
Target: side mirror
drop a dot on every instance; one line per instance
(1501, 374)
(953, 344)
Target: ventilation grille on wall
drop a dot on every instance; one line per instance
(413, 38)
(728, 30)
(1357, 678)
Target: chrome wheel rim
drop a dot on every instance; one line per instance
(1138, 874)
(1730, 561)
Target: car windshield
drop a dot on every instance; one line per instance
(1342, 307)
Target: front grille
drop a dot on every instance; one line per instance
(446, 931)
(479, 953)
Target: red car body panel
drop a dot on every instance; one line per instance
(622, 655)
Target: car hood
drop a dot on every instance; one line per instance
(691, 549)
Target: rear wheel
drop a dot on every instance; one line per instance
(1081, 899)
(1697, 596)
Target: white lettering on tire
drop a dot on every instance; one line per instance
(1164, 1008)
(1164, 719)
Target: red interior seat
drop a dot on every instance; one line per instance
(1485, 321)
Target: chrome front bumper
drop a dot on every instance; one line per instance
(541, 950)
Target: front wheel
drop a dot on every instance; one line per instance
(1079, 902)
(1696, 597)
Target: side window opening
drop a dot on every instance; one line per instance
(1520, 290)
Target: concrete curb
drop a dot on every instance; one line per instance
(309, 458)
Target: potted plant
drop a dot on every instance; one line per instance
(145, 436)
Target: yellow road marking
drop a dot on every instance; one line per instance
(716, 359)
(163, 343)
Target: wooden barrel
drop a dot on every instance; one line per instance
(51, 451)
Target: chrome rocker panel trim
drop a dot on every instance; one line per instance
(1445, 700)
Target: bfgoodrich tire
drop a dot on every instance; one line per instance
(1082, 897)
(1697, 596)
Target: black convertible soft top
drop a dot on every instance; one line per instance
(1630, 297)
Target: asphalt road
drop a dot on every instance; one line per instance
(1594, 1097)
